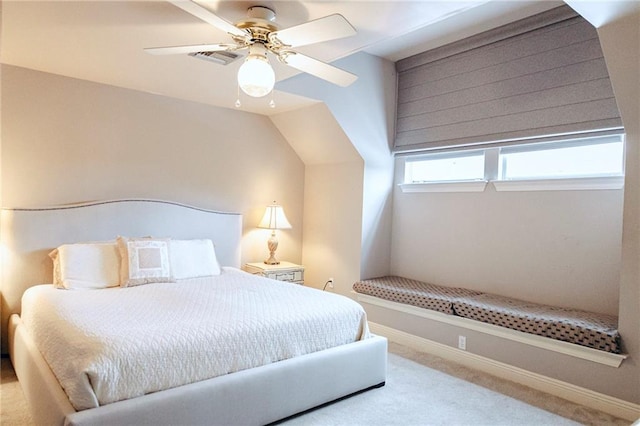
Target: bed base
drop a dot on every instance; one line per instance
(257, 396)
(293, 416)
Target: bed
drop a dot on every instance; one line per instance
(241, 388)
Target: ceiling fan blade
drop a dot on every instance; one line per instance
(194, 48)
(318, 68)
(209, 17)
(328, 28)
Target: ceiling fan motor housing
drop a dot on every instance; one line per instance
(259, 22)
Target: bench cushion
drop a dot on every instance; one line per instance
(413, 292)
(597, 331)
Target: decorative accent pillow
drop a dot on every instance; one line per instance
(143, 261)
(193, 258)
(86, 265)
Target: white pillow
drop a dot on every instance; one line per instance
(193, 258)
(86, 265)
(143, 261)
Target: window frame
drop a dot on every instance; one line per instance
(492, 167)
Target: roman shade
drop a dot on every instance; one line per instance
(540, 76)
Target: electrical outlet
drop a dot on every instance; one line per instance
(330, 282)
(462, 343)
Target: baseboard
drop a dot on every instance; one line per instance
(579, 395)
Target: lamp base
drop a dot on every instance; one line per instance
(273, 246)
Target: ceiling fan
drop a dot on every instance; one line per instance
(259, 33)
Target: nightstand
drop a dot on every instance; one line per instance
(284, 271)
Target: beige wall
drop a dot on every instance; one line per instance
(332, 195)
(333, 224)
(555, 247)
(66, 140)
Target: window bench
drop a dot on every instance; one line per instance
(574, 332)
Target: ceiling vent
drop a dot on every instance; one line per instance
(220, 57)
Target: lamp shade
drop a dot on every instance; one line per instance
(274, 218)
(255, 76)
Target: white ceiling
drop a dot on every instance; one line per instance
(103, 41)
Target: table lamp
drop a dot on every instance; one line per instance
(274, 218)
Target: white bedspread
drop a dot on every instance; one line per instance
(118, 343)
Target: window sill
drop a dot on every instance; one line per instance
(608, 182)
(449, 186)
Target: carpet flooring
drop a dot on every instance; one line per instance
(421, 389)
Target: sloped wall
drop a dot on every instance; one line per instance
(334, 171)
(365, 113)
(620, 40)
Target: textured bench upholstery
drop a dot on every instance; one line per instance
(413, 292)
(597, 331)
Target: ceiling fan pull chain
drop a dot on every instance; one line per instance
(238, 104)
(272, 103)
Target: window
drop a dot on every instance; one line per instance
(570, 164)
(589, 157)
(461, 171)
(447, 167)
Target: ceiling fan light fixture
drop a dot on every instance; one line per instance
(256, 77)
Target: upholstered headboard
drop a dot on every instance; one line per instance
(28, 235)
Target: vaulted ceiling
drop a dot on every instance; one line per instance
(103, 41)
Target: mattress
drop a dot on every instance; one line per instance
(113, 344)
